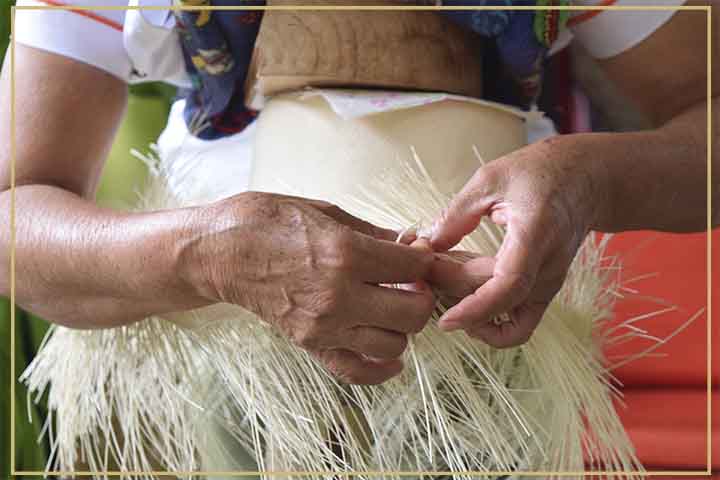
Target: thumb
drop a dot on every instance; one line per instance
(466, 209)
(460, 218)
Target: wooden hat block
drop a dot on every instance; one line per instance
(399, 49)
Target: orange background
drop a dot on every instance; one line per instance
(666, 397)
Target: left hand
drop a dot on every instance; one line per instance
(545, 196)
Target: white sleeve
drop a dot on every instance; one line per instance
(608, 33)
(94, 37)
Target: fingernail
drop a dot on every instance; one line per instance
(426, 232)
(432, 231)
(408, 235)
(449, 326)
(422, 242)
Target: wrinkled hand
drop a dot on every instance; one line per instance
(544, 195)
(315, 272)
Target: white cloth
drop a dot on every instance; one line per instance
(612, 32)
(134, 45)
(153, 45)
(79, 37)
(183, 152)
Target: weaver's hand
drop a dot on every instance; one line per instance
(544, 195)
(315, 273)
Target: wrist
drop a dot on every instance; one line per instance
(164, 263)
(627, 188)
(602, 183)
(593, 179)
(205, 249)
(580, 181)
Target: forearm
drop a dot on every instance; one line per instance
(654, 180)
(86, 267)
(658, 179)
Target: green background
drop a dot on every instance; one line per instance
(147, 112)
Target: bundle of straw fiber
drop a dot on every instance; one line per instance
(148, 392)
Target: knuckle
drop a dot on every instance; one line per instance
(419, 323)
(521, 284)
(422, 316)
(486, 176)
(256, 204)
(510, 337)
(252, 197)
(329, 362)
(417, 326)
(308, 337)
(340, 250)
(391, 348)
(514, 341)
(345, 374)
(549, 142)
(426, 259)
(326, 208)
(326, 304)
(524, 337)
(382, 233)
(352, 377)
(430, 304)
(401, 346)
(495, 341)
(444, 216)
(343, 238)
(477, 334)
(524, 230)
(484, 182)
(330, 207)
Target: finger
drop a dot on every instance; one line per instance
(343, 217)
(458, 278)
(524, 319)
(419, 242)
(394, 309)
(380, 261)
(466, 209)
(513, 280)
(359, 225)
(350, 367)
(376, 342)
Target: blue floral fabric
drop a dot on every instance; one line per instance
(522, 37)
(487, 23)
(218, 47)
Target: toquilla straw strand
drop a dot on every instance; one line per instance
(146, 393)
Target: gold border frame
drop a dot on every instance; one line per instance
(706, 8)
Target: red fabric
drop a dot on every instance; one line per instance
(680, 265)
(713, 476)
(666, 398)
(669, 427)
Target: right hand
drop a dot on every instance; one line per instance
(316, 273)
